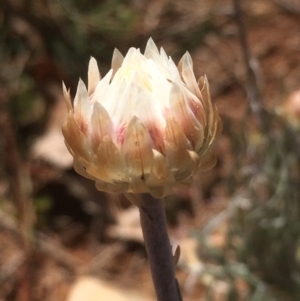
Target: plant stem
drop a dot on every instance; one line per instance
(158, 247)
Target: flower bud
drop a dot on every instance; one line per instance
(145, 127)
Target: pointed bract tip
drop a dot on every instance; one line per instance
(67, 97)
(93, 75)
(150, 46)
(117, 60)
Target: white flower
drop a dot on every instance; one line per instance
(145, 127)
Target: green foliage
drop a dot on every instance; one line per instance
(262, 245)
(27, 106)
(42, 205)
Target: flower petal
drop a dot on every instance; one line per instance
(82, 107)
(137, 149)
(108, 165)
(102, 88)
(206, 99)
(185, 67)
(208, 161)
(197, 107)
(163, 56)
(67, 97)
(190, 168)
(108, 187)
(150, 49)
(101, 125)
(76, 140)
(160, 173)
(150, 114)
(137, 185)
(93, 75)
(192, 128)
(177, 146)
(160, 192)
(175, 76)
(117, 60)
(79, 168)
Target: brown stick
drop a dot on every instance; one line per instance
(16, 174)
(253, 85)
(158, 247)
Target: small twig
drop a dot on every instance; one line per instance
(253, 89)
(158, 247)
(17, 174)
(104, 257)
(10, 267)
(15, 170)
(42, 243)
(292, 7)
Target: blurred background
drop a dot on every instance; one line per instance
(238, 226)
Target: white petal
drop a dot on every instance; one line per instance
(118, 102)
(117, 61)
(163, 55)
(158, 63)
(101, 125)
(67, 97)
(93, 75)
(211, 113)
(150, 49)
(82, 104)
(207, 100)
(193, 130)
(151, 115)
(146, 108)
(139, 102)
(175, 76)
(177, 146)
(129, 55)
(197, 107)
(102, 88)
(186, 67)
(160, 88)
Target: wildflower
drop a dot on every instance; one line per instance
(147, 126)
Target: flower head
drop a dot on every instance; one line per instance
(146, 126)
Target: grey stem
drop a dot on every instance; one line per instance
(158, 247)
